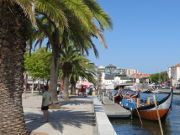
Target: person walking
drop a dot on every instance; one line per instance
(46, 101)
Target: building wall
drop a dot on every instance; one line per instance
(130, 72)
(178, 73)
(169, 72)
(119, 73)
(111, 83)
(174, 74)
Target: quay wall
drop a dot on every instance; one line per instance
(104, 127)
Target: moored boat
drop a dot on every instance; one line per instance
(125, 93)
(149, 109)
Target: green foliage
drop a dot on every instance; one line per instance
(102, 18)
(75, 65)
(38, 64)
(159, 77)
(82, 16)
(27, 6)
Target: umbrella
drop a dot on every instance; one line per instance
(87, 84)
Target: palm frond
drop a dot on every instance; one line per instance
(103, 19)
(96, 53)
(79, 10)
(52, 10)
(28, 7)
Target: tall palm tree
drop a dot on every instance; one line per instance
(55, 34)
(13, 36)
(81, 27)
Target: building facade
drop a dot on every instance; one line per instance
(110, 76)
(174, 75)
(130, 72)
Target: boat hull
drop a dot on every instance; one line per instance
(152, 114)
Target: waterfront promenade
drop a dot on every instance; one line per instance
(75, 117)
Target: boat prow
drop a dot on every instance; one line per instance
(150, 112)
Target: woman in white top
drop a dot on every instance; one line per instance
(46, 101)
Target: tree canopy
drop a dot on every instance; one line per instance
(159, 77)
(38, 64)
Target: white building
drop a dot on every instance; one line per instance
(174, 74)
(130, 72)
(109, 79)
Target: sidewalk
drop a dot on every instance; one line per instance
(74, 118)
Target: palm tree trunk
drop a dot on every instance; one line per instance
(73, 89)
(54, 74)
(25, 81)
(66, 88)
(12, 47)
(32, 89)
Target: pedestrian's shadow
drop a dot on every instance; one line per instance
(59, 118)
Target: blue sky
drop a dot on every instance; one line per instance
(145, 35)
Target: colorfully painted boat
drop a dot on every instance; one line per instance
(124, 93)
(153, 108)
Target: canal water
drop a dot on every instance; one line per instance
(171, 126)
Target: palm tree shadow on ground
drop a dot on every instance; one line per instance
(59, 118)
(76, 100)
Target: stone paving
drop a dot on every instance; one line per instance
(75, 117)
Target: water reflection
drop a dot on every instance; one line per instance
(171, 126)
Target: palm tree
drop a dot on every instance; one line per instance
(81, 27)
(13, 36)
(74, 65)
(80, 34)
(69, 57)
(82, 69)
(54, 33)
